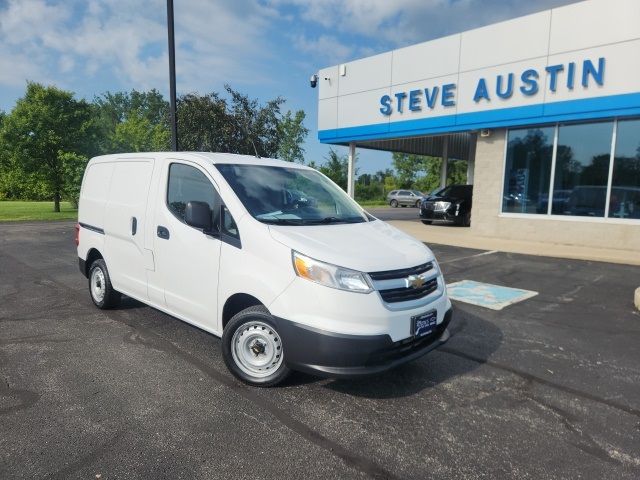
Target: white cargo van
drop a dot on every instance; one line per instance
(271, 256)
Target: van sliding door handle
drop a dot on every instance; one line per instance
(163, 232)
(134, 226)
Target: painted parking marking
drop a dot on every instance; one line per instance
(486, 295)
(490, 252)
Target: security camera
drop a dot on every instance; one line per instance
(313, 81)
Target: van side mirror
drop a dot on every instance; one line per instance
(198, 215)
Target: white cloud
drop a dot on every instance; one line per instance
(402, 22)
(14, 71)
(88, 45)
(325, 47)
(127, 39)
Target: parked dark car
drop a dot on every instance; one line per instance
(452, 204)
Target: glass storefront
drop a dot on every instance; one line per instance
(624, 201)
(582, 169)
(578, 168)
(526, 183)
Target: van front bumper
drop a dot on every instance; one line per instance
(331, 354)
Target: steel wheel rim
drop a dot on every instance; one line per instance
(256, 348)
(98, 287)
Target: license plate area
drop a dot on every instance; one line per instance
(424, 324)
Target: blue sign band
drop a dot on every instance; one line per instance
(582, 109)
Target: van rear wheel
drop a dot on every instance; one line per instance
(103, 294)
(253, 349)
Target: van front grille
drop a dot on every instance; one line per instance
(404, 272)
(409, 293)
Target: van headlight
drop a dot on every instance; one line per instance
(442, 206)
(330, 275)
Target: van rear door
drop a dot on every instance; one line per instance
(124, 225)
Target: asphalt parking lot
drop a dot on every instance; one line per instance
(400, 213)
(546, 389)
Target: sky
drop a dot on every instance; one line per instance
(265, 48)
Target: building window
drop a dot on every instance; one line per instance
(582, 169)
(528, 170)
(624, 201)
(576, 159)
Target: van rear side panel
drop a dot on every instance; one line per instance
(94, 194)
(91, 207)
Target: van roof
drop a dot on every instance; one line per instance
(214, 158)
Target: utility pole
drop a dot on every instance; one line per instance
(173, 119)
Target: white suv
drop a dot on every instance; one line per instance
(271, 256)
(403, 198)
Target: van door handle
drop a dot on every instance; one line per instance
(134, 225)
(163, 232)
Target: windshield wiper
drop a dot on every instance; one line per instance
(327, 220)
(280, 221)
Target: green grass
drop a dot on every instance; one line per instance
(23, 210)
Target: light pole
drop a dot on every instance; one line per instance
(172, 78)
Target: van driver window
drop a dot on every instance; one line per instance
(187, 184)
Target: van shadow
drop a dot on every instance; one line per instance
(128, 303)
(473, 341)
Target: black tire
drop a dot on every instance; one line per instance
(418, 204)
(248, 318)
(465, 220)
(427, 222)
(393, 203)
(110, 297)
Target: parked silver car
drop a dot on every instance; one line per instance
(404, 198)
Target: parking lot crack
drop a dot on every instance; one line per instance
(25, 398)
(542, 381)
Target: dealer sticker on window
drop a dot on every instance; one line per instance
(424, 324)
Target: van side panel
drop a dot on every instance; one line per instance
(93, 195)
(91, 207)
(125, 225)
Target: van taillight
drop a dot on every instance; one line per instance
(77, 234)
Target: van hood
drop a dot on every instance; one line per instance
(367, 247)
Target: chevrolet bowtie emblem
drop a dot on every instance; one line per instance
(414, 281)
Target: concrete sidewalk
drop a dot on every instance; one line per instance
(464, 237)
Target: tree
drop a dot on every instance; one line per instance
(202, 123)
(73, 166)
(137, 134)
(145, 111)
(254, 126)
(336, 168)
(408, 167)
(238, 125)
(46, 124)
(292, 134)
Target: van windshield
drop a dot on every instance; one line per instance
(290, 196)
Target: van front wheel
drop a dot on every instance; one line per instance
(102, 292)
(253, 349)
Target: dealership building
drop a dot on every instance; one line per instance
(544, 109)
